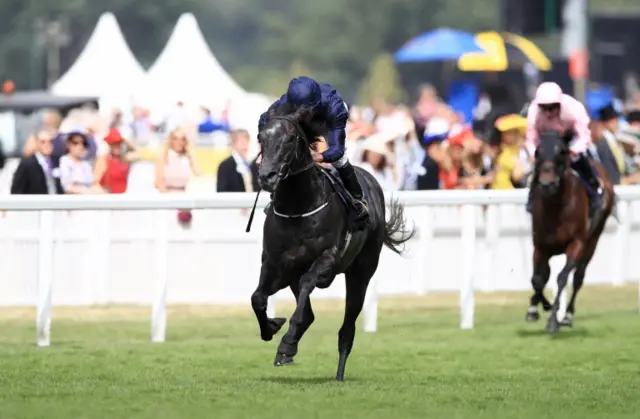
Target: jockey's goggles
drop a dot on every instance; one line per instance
(548, 107)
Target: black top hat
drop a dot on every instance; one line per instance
(607, 113)
(633, 116)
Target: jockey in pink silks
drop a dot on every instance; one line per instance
(552, 109)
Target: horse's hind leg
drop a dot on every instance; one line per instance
(357, 280)
(574, 255)
(288, 347)
(259, 299)
(578, 280)
(541, 274)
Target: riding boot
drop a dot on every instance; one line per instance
(350, 180)
(583, 166)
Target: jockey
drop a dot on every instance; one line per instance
(552, 109)
(329, 106)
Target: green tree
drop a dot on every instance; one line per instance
(382, 82)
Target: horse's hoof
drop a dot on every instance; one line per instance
(532, 317)
(547, 307)
(273, 327)
(282, 360)
(567, 321)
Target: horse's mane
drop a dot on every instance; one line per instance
(312, 126)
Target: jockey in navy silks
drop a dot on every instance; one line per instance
(327, 105)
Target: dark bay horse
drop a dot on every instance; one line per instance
(307, 240)
(561, 224)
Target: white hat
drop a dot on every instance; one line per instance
(375, 144)
(437, 126)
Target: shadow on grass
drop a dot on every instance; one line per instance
(564, 333)
(294, 381)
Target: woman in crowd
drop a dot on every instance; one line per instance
(176, 163)
(76, 174)
(112, 169)
(375, 160)
(511, 165)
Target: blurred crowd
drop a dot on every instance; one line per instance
(431, 147)
(425, 147)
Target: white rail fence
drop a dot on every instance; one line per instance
(466, 241)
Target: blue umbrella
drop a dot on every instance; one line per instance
(438, 45)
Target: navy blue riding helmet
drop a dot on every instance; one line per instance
(328, 105)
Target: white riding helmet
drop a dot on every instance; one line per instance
(548, 93)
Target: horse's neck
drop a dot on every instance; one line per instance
(300, 193)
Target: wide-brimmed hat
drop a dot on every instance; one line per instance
(377, 143)
(511, 122)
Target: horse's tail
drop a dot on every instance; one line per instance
(396, 232)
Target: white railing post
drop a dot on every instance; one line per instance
(371, 307)
(468, 248)
(623, 232)
(45, 278)
(492, 236)
(423, 253)
(100, 246)
(159, 307)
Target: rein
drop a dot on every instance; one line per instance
(285, 172)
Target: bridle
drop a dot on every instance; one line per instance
(285, 169)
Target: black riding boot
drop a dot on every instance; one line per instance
(585, 169)
(350, 180)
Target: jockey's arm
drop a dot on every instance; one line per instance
(582, 139)
(531, 135)
(337, 116)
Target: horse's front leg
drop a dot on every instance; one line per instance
(259, 299)
(321, 270)
(541, 273)
(574, 255)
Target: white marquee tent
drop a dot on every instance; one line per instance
(106, 67)
(186, 70)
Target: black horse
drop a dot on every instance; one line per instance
(561, 224)
(308, 238)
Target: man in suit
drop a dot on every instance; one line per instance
(234, 173)
(604, 153)
(36, 174)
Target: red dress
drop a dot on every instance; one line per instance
(115, 177)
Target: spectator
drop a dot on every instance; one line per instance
(604, 152)
(451, 166)
(436, 133)
(473, 174)
(235, 173)
(112, 170)
(375, 160)
(35, 174)
(510, 172)
(176, 164)
(51, 120)
(76, 175)
(208, 126)
(609, 118)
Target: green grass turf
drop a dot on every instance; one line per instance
(418, 365)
